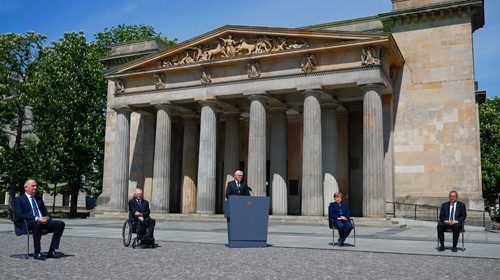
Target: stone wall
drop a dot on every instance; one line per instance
(436, 127)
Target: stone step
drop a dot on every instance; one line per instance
(274, 219)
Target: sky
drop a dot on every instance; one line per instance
(184, 19)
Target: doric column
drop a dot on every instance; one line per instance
(278, 161)
(312, 171)
(231, 147)
(189, 164)
(373, 152)
(257, 145)
(119, 191)
(330, 158)
(387, 110)
(205, 198)
(161, 167)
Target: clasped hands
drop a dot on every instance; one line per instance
(43, 220)
(450, 222)
(342, 218)
(139, 216)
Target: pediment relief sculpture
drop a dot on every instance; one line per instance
(119, 87)
(229, 46)
(308, 64)
(370, 57)
(206, 78)
(160, 81)
(253, 70)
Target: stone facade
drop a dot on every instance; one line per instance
(381, 108)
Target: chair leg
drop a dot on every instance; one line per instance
(354, 236)
(28, 245)
(333, 237)
(463, 248)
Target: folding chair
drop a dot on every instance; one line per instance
(332, 226)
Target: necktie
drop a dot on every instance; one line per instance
(452, 212)
(238, 185)
(36, 212)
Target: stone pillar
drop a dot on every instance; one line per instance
(257, 146)
(189, 164)
(373, 152)
(231, 147)
(279, 190)
(205, 198)
(119, 191)
(161, 168)
(387, 110)
(330, 158)
(312, 171)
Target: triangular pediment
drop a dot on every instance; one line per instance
(234, 43)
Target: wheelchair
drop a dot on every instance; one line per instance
(130, 235)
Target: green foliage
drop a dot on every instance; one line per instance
(68, 96)
(127, 33)
(489, 116)
(17, 52)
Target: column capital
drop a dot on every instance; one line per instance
(312, 92)
(122, 110)
(231, 112)
(163, 106)
(278, 109)
(190, 117)
(329, 104)
(208, 102)
(258, 97)
(373, 87)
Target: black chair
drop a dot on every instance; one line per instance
(22, 226)
(332, 226)
(462, 231)
(129, 229)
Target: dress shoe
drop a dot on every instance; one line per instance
(441, 249)
(52, 255)
(341, 244)
(39, 256)
(454, 249)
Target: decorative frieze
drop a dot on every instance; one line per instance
(160, 81)
(308, 64)
(370, 56)
(119, 87)
(206, 78)
(230, 46)
(253, 70)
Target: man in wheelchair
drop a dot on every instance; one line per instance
(139, 218)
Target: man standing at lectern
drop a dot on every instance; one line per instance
(452, 216)
(237, 186)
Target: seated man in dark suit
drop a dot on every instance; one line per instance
(237, 186)
(339, 215)
(139, 216)
(451, 216)
(30, 208)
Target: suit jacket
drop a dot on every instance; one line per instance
(336, 210)
(232, 189)
(24, 212)
(142, 208)
(460, 212)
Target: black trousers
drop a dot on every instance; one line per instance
(146, 228)
(442, 227)
(54, 226)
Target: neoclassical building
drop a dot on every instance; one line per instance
(381, 108)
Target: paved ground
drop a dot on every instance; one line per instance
(92, 249)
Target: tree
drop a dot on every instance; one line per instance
(68, 103)
(127, 33)
(489, 117)
(17, 52)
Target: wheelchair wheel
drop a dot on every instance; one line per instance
(127, 233)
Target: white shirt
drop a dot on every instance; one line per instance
(33, 207)
(453, 206)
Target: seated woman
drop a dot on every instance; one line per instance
(339, 215)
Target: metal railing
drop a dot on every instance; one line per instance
(419, 208)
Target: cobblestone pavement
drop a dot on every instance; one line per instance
(107, 258)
